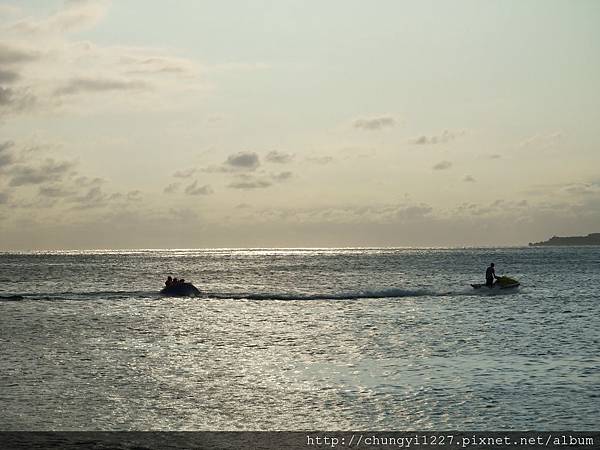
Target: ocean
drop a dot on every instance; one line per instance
(298, 339)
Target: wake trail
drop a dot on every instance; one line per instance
(356, 295)
(257, 296)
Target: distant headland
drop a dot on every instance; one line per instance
(590, 239)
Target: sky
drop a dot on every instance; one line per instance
(288, 123)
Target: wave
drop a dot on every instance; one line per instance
(73, 295)
(375, 294)
(124, 295)
(11, 298)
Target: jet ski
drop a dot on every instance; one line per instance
(501, 283)
(180, 290)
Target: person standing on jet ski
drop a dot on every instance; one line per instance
(490, 275)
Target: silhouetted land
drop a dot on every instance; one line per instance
(590, 239)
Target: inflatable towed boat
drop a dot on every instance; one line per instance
(180, 290)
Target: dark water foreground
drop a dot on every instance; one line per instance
(301, 440)
(289, 340)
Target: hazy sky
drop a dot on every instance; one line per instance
(154, 124)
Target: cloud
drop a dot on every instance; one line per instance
(320, 159)
(50, 170)
(374, 214)
(144, 65)
(8, 76)
(239, 66)
(15, 101)
(442, 165)
(279, 158)
(194, 189)
(243, 160)
(93, 198)
(183, 214)
(79, 85)
(14, 55)
(8, 97)
(55, 191)
(542, 140)
(577, 189)
(56, 181)
(581, 188)
(374, 123)
(52, 71)
(468, 179)
(76, 15)
(185, 173)
(171, 188)
(134, 196)
(414, 212)
(8, 10)
(83, 181)
(446, 136)
(6, 157)
(497, 208)
(58, 186)
(282, 176)
(248, 183)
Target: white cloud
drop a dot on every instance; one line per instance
(279, 157)
(282, 176)
(194, 189)
(582, 188)
(320, 159)
(75, 15)
(6, 155)
(250, 183)
(542, 141)
(50, 70)
(87, 85)
(445, 136)
(171, 188)
(374, 123)
(442, 165)
(187, 173)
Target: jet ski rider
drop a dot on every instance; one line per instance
(490, 275)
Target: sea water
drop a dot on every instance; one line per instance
(296, 339)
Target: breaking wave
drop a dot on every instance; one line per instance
(375, 294)
(125, 295)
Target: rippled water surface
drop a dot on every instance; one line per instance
(300, 339)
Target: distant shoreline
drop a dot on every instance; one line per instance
(590, 239)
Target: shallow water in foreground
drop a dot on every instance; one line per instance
(300, 339)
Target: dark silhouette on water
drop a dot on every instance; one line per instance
(490, 276)
(590, 239)
(179, 288)
(11, 298)
(492, 281)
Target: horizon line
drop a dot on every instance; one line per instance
(148, 249)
